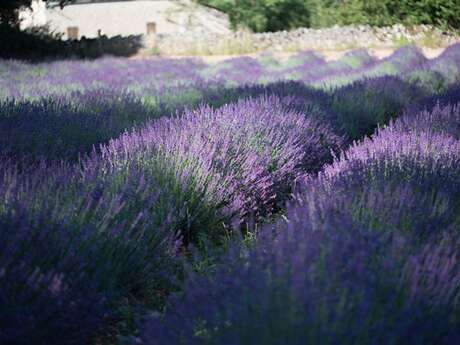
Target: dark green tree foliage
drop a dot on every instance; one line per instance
(274, 15)
(441, 13)
(266, 15)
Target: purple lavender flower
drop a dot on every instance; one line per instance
(442, 119)
(315, 278)
(241, 158)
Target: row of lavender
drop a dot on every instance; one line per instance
(145, 78)
(368, 253)
(64, 128)
(82, 228)
(87, 103)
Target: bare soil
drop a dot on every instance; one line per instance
(329, 55)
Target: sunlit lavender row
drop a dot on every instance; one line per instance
(141, 76)
(251, 201)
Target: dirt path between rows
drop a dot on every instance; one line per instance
(329, 55)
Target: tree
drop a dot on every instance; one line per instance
(444, 14)
(9, 9)
(273, 15)
(265, 15)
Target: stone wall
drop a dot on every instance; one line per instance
(334, 38)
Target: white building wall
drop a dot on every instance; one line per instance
(131, 17)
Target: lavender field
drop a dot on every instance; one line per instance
(251, 201)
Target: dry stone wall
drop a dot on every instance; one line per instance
(303, 38)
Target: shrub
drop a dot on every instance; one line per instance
(241, 158)
(64, 127)
(240, 70)
(47, 294)
(284, 15)
(405, 177)
(361, 107)
(442, 14)
(265, 15)
(427, 161)
(382, 205)
(82, 239)
(315, 281)
(441, 119)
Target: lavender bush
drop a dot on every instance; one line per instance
(241, 158)
(442, 119)
(361, 107)
(63, 127)
(438, 74)
(82, 239)
(405, 177)
(46, 293)
(235, 71)
(312, 280)
(425, 160)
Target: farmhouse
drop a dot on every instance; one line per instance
(93, 18)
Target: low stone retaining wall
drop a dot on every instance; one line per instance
(334, 38)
